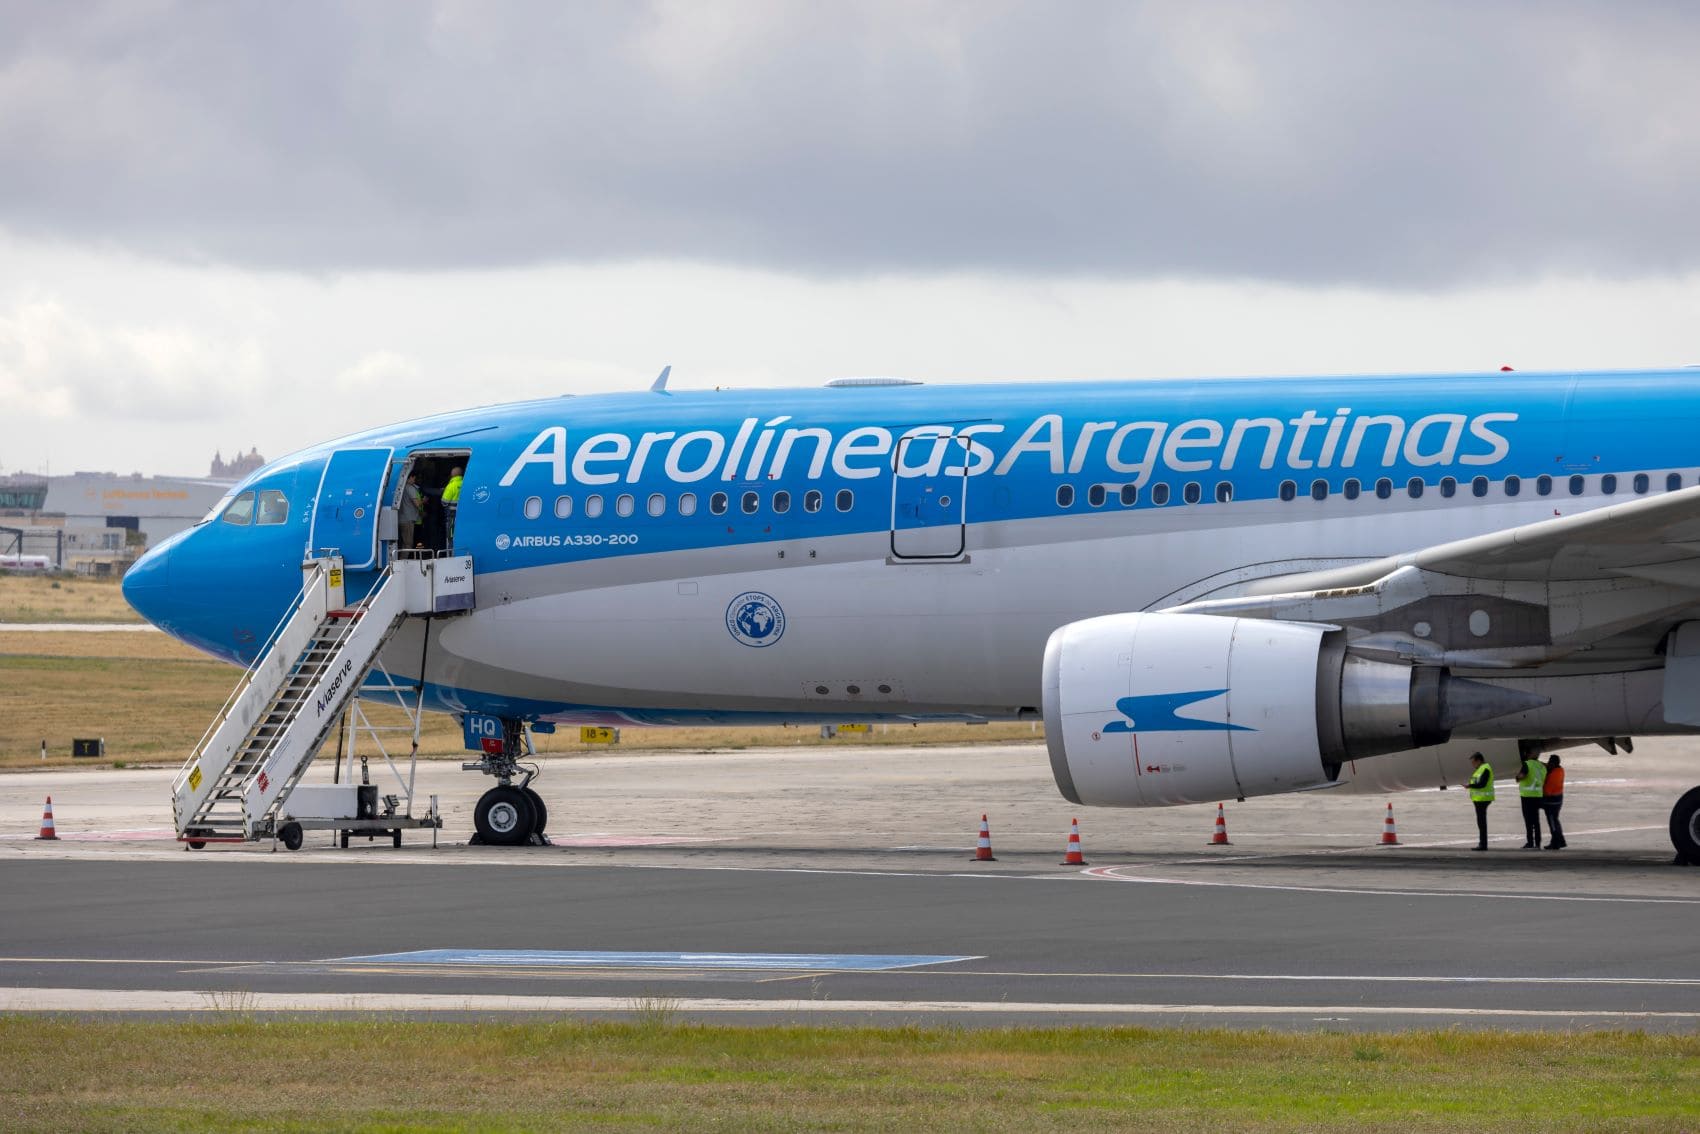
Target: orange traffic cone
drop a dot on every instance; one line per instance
(983, 848)
(1220, 838)
(47, 822)
(1389, 835)
(1073, 857)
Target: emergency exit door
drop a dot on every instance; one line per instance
(345, 512)
(929, 497)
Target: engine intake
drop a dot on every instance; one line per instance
(1148, 710)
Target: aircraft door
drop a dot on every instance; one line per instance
(929, 496)
(345, 512)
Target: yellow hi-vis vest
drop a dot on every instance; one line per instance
(451, 490)
(1534, 780)
(1481, 784)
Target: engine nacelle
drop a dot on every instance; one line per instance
(1148, 710)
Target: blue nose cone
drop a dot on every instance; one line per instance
(147, 583)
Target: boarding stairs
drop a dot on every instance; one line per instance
(284, 708)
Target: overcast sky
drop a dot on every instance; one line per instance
(232, 224)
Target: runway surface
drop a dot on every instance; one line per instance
(1302, 923)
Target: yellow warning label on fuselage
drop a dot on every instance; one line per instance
(589, 734)
(195, 778)
(852, 728)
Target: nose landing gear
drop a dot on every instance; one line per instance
(509, 814)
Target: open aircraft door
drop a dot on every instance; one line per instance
(345, 512)
(929, 496)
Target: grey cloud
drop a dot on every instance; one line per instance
(1398, 145)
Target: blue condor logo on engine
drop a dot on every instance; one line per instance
(1155, 712)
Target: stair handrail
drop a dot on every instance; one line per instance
(295, 604)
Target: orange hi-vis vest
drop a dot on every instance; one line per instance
(1554, 783)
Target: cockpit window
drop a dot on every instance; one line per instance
(216, 510)
(240, 510)
(274, 507)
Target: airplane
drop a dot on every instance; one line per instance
(1205, 588)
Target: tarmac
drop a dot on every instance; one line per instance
(837, 885)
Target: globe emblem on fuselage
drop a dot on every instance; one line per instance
(755, 619)
(502, 542)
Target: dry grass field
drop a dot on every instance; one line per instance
(62, 598)
(151, 698)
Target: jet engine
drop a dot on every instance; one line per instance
(1149, 710)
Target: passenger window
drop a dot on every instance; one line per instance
(1159, 494)
(1543, 486)
(750, 502)
(1351, 488)
(657, 504)
(533, 507)
(1319, 490)
(1130, 495)
(1414, 488)
(624, 504)
(240, 511)
(1289, 490)
(1479, 486)
(274, 507)
(717, 503)
(1673, 481)
(845, 500)
(592, 507)
(563, 507)
(1065, 496)
(1193, 492)
(1608, 483)
(781, 501)
(1448, 487)
(1224, 492)
(1383, 489)
(1641, 485)
(687, 503)
(1513, 485)
(1578, 485)
(1096, 496)
(812, 500)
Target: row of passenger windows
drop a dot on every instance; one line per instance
(719, 504)
(1192, 492)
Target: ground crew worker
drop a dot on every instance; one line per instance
(1552, 798)
(451, 504)
(1481, 794)
(1531, 778)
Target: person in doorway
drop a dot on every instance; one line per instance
(1481, 794)
(412, 510)
(1552, 798)
(451, 505)
(1531, 780)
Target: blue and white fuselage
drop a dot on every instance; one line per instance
(899, 551)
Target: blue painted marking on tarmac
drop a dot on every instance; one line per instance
(592, 959)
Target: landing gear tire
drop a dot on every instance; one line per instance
(504, 816)
(1685, 828)
(290, 836)
(539, 811)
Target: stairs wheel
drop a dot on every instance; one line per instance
(197, 844)
(503, 816)
(290, 836)
(539, 809)
(396, 835)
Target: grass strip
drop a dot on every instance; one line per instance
(238, 1072)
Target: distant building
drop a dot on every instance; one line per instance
(237, 467)
(97, 522)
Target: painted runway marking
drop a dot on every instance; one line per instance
(605, 839)
(583, 958)
(138, 834)
(218, 1000)
(1114, 874)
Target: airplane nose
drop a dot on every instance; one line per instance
(147, 581)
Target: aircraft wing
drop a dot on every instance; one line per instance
(1519, 597)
